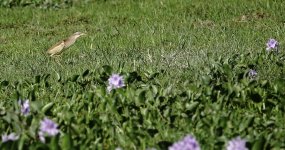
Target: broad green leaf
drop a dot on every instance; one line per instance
(47, 107)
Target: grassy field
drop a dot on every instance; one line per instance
(169, 35)
(185, 64)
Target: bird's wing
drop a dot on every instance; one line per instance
(69, 41)
(56, 49)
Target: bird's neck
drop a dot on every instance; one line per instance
(69, 41)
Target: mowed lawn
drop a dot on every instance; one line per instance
(184, 64)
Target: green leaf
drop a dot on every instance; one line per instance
(58, 77)
(21, 141)
(154, 89)
(54, 145)
(67, 143)
(74, 78)
(37, 79)
(85, 73)
(192, 106)
(249, 120)
(4, 83)
(107, 69)
(47, 107)
(259, 144)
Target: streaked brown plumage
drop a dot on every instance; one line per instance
(64, 44)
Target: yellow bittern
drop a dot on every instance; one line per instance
(64, 44)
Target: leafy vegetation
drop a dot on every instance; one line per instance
(187, 69)
(149, 112)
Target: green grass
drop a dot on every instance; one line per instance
(190, 55)
(171, 35)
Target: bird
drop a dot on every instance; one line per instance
(64, 44)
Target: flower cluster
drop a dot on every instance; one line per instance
(272, 44)
(25, 107)
(190, 143)
(236, 144)
(10, 137)
(47, 128)
(115, 81)
(187, 143)
(252, 73)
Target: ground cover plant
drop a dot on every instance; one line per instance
(149, 75)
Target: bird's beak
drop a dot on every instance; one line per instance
(83, 34)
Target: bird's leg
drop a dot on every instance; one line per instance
(57, 59)
(58, 62)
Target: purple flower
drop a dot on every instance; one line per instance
(187, 143)
(115, 81)
(236, 144)
(25, 107)
(41, 136)
(252, 73)
(47, 127)
(271, 44)
(10, 137)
